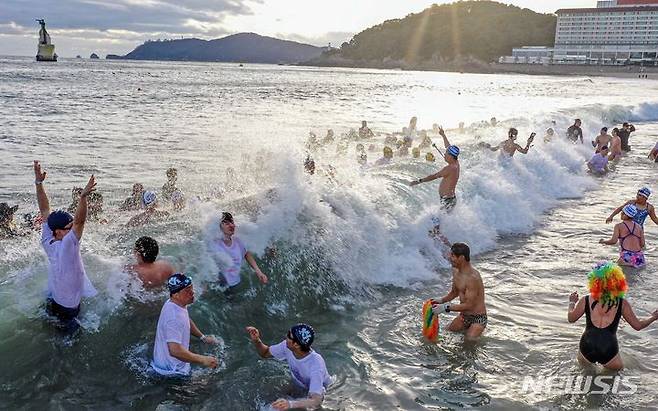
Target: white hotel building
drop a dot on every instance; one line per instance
(615, 32)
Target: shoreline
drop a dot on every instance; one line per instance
(469, 67)
(478, 67)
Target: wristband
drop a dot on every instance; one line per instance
(420, 180)
(202, 337)
(37, 182)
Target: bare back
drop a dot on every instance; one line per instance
(154, 274)
(630, 235)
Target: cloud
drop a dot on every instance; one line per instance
(13, 28)
(138, 16)
(120, 21)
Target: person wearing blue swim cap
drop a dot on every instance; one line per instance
(61, 234)
(630, 236)
(151, 212)
(641, 203)
(449, 174)
(171, 352)
(307, 367)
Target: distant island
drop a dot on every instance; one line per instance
(467, 35)
(241, 47)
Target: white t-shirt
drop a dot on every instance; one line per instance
(310, 372)
(173, 326)
(67, 280)
(236, 253)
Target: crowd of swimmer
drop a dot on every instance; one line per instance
(607, 283)
(61, 234)
(62, 231)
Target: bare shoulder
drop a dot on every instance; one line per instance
(165, 267)
(474, 276)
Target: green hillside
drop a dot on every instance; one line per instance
(483, 30)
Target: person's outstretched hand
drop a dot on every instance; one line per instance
(38, 174)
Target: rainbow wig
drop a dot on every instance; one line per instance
(607, 283)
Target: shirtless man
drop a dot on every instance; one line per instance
(365, 132)
(653, 154)
(7, 225)
(509, 146)
(467, 285)
(152, 273)
(602, 139)
(449, 175)
(134, 202)
(615, 145)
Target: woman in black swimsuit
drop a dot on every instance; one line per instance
(603, 309)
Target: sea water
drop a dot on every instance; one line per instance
(352, 255)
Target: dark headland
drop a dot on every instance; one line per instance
(242, 48)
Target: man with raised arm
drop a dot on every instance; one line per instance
(509, 146)
(60, 237)
(467, 285)
(449, 175)
(307, 367)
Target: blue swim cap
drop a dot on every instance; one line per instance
(453, 151)
(630, 210)
(302, 334)
(177, 282)
(58, 220)
(148, 198)
(644, 192)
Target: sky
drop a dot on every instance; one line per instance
(80, 27)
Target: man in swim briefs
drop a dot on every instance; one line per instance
(467, 285)
(449, 175)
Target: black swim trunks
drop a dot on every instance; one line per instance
(448, 203)
(68, 317)
(470, 319)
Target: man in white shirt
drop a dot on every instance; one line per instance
(60, 237)
(171, 354)
(230, 252)
(307, 367)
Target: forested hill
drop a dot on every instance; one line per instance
(241, 47)
(480, 30)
